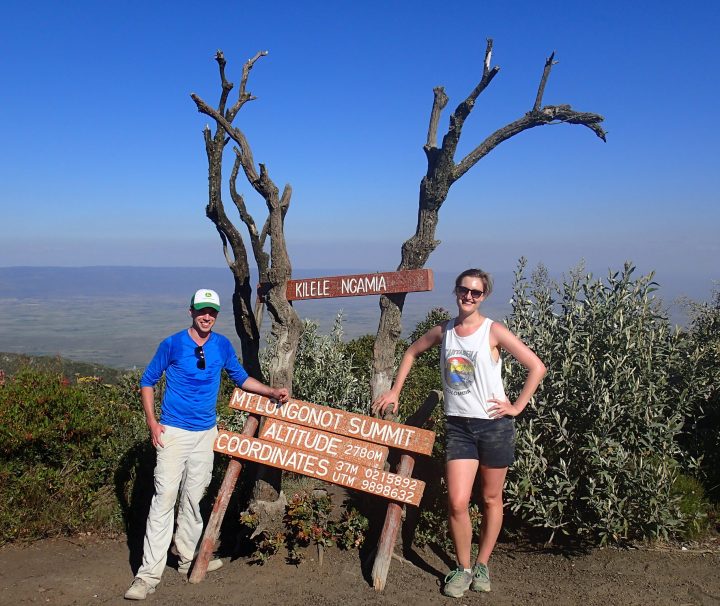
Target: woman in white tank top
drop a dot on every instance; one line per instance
(480, 430)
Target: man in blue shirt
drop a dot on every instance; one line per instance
(192, 361)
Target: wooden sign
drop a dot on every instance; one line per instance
(323, 467)
(337, 421)
(399, 487)
(321, 442)
(413, 280)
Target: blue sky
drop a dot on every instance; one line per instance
(103, 161)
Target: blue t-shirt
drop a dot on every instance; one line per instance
(191, 392)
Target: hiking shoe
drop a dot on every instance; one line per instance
(480, 578)
(139, 590)
(457, 583)
(213, 564)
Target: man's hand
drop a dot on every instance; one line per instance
(281, 395)
(156, 432)
(147, 395)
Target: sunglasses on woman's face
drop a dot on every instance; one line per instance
(463, 292)
(200, 355)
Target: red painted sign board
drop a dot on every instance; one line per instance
(324, 443)
(322, 467)
(356, 285)
(337, 421)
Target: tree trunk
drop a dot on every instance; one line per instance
(442, 172)
(274, 269)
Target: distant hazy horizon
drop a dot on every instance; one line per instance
(117, 175)
(117, 315)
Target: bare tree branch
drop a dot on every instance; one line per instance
(285, 199)
(543, 81)
(274, 267)
(215, 210)
(243, 95)
(439, 103)
(236, 134)
(488, 56)
(247, 66)
(261, 257)
(207, 135)
(264, 232)
(547, 115)
(267, 189)
(225, 85)
(228, 259)
(458, 117)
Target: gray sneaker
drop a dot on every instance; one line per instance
(139, 590)
(457, 583)
(480, 578)
(213, 564)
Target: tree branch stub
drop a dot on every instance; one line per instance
(440, 100)
(543, 81)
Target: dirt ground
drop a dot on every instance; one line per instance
(87, 570)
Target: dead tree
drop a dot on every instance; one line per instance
(442, 172)
(274, 268)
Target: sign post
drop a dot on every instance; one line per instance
(388, 537)
(329, 444)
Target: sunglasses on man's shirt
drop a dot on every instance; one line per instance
(200, 355)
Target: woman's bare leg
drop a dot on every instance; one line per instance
(493, 481)
(460, 478)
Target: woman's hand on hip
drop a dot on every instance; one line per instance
(502, 408)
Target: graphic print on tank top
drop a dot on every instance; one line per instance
(460, 371)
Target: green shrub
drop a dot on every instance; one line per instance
(308, 520)
(228, 418)
(360, 352)
(60, 446)
(351, 530)
(700, 371)
(424, 376)
(324, 374)
(598, 454)
(693, 506)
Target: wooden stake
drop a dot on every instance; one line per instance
(386, 546)
(212, 530)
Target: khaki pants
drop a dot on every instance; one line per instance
(184, 464)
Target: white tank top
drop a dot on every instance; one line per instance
(469, 374)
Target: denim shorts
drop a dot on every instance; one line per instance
(490, 441)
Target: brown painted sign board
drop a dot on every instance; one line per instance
(324, 443)
(337, 421)
(323, 467)
(412, 280)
